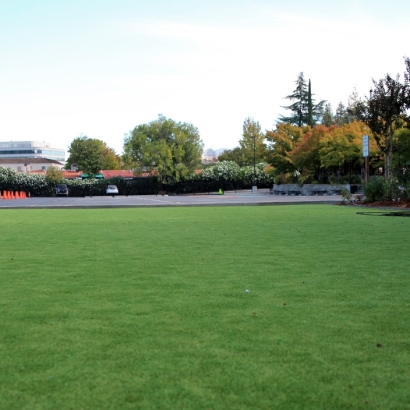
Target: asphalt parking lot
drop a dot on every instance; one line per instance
(240, 198)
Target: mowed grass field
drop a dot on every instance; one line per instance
(287, 307)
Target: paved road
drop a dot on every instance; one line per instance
(229, 198)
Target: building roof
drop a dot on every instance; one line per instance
(72, 174)
(38, 171)
(112, 173)
(23, 160)
(106, 173)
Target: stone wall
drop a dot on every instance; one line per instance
(308, 189)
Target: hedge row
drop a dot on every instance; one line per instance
(38, 185)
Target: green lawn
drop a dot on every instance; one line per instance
(149, 308)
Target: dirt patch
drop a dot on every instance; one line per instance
(402, 204)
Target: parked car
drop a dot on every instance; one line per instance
(62, 189)
(112, 190)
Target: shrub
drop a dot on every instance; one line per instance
(36, 185)
(346, 195)
(356, 179)
(306, 177)
(279, 179)
(54, 176)
(226, 171)
(287, 178)
(377, 189)
(395, 190)
(248, 174)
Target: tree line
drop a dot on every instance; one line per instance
(311, 143)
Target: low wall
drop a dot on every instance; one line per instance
(308, 189)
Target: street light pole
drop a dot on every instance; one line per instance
(254, 164)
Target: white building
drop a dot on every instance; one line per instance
(30, 164)
(31, 149)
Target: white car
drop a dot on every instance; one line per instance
(112, 190)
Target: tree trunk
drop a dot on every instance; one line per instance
(386, 165)
(389, 162)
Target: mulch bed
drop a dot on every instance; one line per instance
(404, 203)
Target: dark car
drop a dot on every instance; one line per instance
(62, 189)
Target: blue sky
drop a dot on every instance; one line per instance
(102, 67)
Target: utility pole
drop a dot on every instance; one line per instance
(254, 187)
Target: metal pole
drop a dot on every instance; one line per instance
(367, 169)
(254, 160)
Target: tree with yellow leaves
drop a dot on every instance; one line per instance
(341, 145)
(281, 142)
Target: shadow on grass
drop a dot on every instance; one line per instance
(403, 213)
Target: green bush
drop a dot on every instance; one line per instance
(222, 171)
(396, 190)
(288, 178)
(279, 179)
(323, 179)
(35, 184)
(344, 179)
(346, 195)
(247, 175)
(377, 189)
(357, 179)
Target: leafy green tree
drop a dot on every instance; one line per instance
(407, 90)
(304, 110)
(170, 149)
(54, 176)
(251, 145)
(401, 139)
(87, 153)
(383, 112)
(252, 142)
(110, 159)
(236, 155)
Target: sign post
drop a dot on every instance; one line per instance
(366, 156)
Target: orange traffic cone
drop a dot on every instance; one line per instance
(17, 195)
(7, 195)
(23, 195)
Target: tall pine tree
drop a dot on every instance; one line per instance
(298, 108)
(327, 117)
(304, 110)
